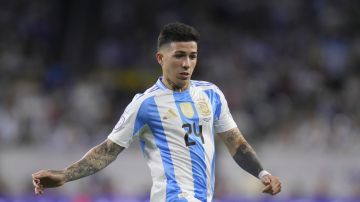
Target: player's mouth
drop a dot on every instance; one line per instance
(184, 75)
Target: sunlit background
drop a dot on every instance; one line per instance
(290, 71)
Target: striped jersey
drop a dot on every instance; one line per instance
(176, 133)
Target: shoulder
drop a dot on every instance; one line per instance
(205, 86)
(141, 98)
(210, 89)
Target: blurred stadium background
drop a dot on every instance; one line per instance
(289, 69)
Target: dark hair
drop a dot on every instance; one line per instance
(177, 32)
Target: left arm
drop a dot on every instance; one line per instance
(245, 156)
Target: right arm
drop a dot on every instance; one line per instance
(94, 160)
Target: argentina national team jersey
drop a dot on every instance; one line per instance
(176, 132)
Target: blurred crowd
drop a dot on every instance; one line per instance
(289, 69)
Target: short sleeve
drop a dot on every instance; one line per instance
(223, 121)
(128, 125)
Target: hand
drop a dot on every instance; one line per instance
(272, 184)
(47, 179)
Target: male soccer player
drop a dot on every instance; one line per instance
(176, 121)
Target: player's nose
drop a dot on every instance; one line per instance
(186, 63)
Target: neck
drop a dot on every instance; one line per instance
(172, 86)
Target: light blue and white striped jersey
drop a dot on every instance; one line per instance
(176, 132)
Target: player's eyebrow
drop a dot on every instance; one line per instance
(183, 52)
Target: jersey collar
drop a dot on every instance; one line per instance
(162, 86)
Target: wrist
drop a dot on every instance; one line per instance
(263, 173)
(65, 175)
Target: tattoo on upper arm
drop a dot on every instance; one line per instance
(94, 160)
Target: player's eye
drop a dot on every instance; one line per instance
(178, 56)
(193, 57)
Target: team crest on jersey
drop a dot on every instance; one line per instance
(187, 109)
(204, 107)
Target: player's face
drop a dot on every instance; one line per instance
(178, 61)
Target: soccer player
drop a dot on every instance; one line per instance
(176, 121)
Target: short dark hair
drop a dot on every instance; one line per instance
(177, 32)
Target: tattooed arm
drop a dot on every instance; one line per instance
(245, 156)
(94, 160)
(241, 151)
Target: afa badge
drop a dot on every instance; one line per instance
(187, 109)
(204, 108)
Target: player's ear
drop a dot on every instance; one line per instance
(159, 57)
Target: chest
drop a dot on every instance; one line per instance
(185, 109)
(184, 119)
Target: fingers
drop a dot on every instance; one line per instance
(39, 190)
(39, 174)
(38, 187)
(274, 187)
(35, 182)
(266, 179)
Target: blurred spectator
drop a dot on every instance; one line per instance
(288, 64)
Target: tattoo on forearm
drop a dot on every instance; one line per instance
(96, 159)
(242, 152)
(233, 137)
(247, 159)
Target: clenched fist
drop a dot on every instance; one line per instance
(47, 179)
(272, 184)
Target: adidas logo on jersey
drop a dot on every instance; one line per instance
(170, 114)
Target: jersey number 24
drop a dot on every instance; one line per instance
(197, 132)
